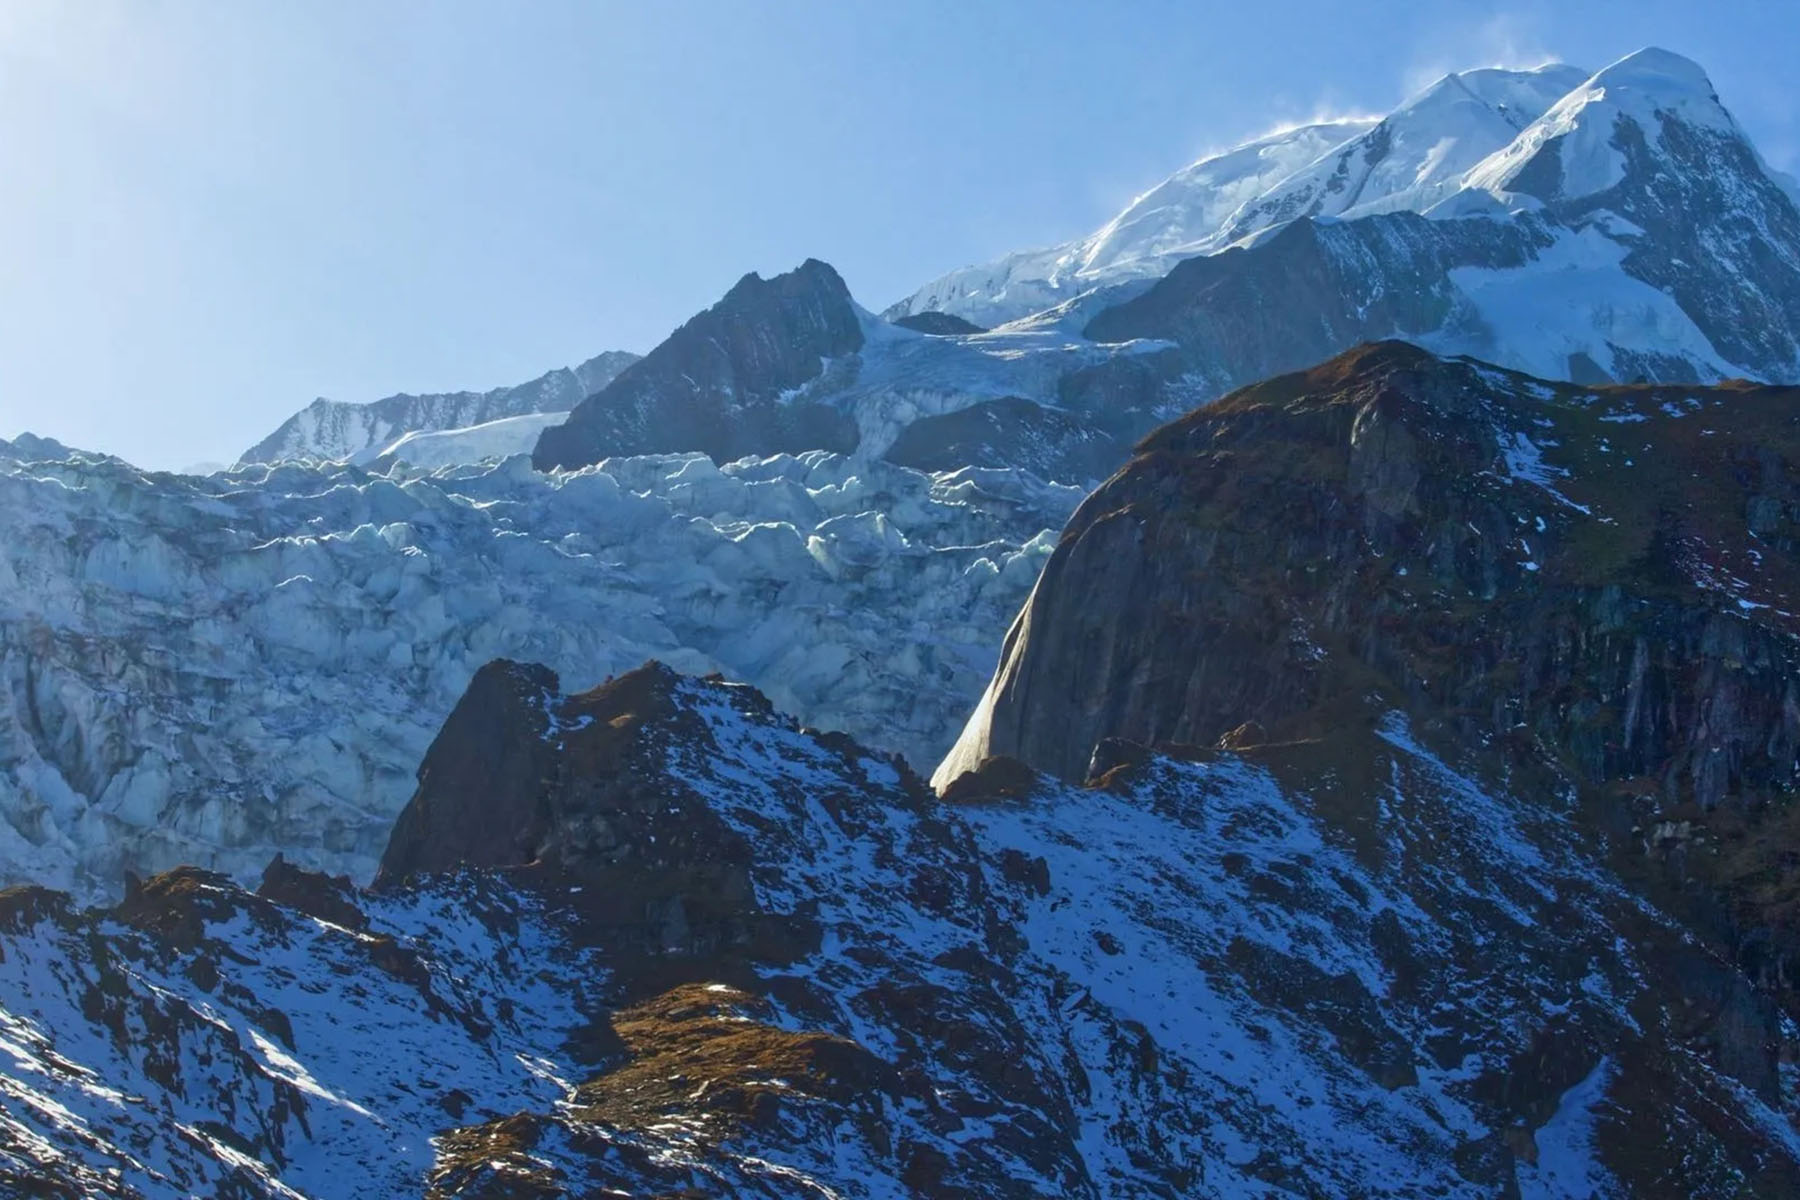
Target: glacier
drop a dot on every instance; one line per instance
(207, 670)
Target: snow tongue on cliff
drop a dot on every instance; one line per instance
(209, 670)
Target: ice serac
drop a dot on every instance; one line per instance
(332, 429)
(211, 670)
(716, 954)
(718, 384)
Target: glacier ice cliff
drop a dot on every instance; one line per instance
(206, 670)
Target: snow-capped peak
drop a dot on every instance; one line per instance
(1353, 166)
(1190, 207)
(1646, 88)
(1470, 143)
(1417, 153)
(1178, 218)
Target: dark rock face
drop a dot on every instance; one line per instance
(481, 799)
(1364, 515)
(1593, 583)
(715, 385)
(329, 898)
(576, 788)
(1012, 432)
(939, 324)
(1312, 290)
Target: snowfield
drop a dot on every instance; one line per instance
(208, 670)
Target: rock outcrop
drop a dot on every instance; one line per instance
(1051, 443)
(939, 324)
(1604, 568)
(576, 787)
(1597, 583)
(717, 384)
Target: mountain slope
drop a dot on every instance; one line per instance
(1351, 167)
(332, 429)
(1594, 588)
(1169, 222)
(1630, 233)
(714, 954)
(1645, 153)
(1412, 157)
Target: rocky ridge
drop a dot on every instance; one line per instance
(333, 429)
(708, 952)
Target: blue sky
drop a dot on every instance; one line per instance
(217, 211)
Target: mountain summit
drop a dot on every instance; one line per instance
(1628, 229)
